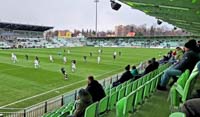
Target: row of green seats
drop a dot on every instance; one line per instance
(62, 112)
(145, 86)
(182, 89)
(113, 96)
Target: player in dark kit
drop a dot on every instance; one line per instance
(85, 58)
(64, 73)
(26, 56)
(120, 53)
(90, 53)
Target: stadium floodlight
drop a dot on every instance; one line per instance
(115, 6)
(159, 22)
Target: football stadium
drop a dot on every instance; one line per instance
(153, 75)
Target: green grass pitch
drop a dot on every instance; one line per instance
(20, 80)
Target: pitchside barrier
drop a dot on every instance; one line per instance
(57, 102)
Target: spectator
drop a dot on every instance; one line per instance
(95, 89)
(125, 76)
(190, 58)
(155, 64)
(191, 108)
(179, 54)
(84, 100)
(149, 68)
(134, 71)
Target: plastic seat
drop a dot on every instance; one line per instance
(91, 110)
(134, 85)
(177, 114)
(112, 101)
(120, 110)
(128, 89)
(121, 93)
(103, 105)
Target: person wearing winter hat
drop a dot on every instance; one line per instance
(188, 61)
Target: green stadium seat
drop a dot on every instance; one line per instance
(121, 93)
(91, 110)
(134, 85)
(112, 101)
(130, 101)
(177, 114)
(118, 87)
(174, 97)
(120, 110)
(182, 90)
(128, 89)
(103, 105)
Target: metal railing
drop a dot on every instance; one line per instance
(57, 102)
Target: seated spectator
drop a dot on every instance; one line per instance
(155, 64)
(164, 60)
(95, 89)
(179, 54)
(191, 108)
(84, 100)
(125, 76)
(149, 68)
(189, 60)
(134, 71)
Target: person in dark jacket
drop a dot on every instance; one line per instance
(84, 100)
(125, 76)
(188, 61)
(155, 64)
(95, 89)
(149, 68)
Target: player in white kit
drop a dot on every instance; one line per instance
(36, 64)
(51, 58)
(64, 59)
(73, 65)
(98, 59)
(14, 58)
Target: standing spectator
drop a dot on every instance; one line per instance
(95, 89)
(84, 100)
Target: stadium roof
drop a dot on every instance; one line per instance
(184, 14)
(27, 27)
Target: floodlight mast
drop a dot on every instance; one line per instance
(96, 20)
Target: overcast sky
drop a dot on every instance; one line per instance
(71, 14)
